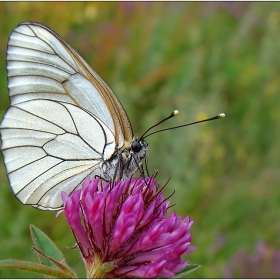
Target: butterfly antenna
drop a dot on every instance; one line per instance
(174, 113)
(222, 115)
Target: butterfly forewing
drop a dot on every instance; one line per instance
(64, 121)
(41, 64)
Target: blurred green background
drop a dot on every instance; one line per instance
(201, 58)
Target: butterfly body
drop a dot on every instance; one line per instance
(64, 122)
(126, 162)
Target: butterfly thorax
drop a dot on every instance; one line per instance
(125, 162)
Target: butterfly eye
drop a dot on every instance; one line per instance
(136, 146)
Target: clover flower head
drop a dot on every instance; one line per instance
(124, 232)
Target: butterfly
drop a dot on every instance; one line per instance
(64, 123)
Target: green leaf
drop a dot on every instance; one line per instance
(190, 268)
(44, 244)
(47, 252)
(35, 267)
(59, 265)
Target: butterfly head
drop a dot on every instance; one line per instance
(137, 145)
(138, 150)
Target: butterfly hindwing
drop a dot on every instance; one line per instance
(49, 146)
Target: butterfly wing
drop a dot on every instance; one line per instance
(49, 147)
(52, 135)
(41, 64)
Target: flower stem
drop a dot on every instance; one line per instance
(97, 269)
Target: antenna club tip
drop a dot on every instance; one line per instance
(222, 115)
(175, 112)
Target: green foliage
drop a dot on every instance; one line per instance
(189, 269)
(48, 253)
(52, 262)
(49, 272)
(201, 58)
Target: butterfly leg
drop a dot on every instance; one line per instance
(140, 168)
(102, 178)
(119, 169)
(146, 164)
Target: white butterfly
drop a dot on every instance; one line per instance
(64, 122)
